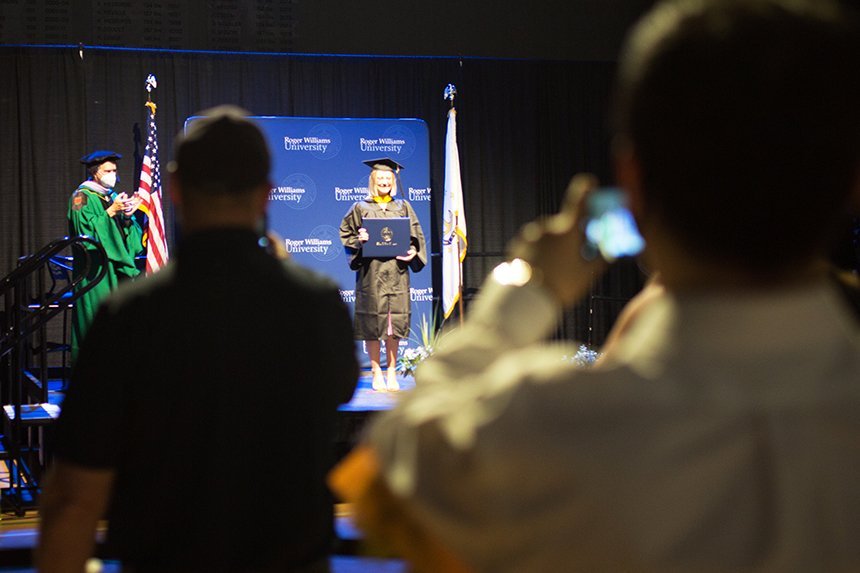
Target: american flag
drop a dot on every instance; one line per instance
(149, 191)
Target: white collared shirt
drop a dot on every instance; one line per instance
(724, 436)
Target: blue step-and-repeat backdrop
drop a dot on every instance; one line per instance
(317, 172)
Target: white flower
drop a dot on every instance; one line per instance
(412, 357)
(584, 357)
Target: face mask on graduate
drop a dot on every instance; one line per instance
(108, 180)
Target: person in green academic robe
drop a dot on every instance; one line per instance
(382, 301)
(96, 210)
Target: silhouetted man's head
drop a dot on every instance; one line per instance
(744, 119)
(220, 174)
(221, 152)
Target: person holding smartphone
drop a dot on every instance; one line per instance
(722, 432)
(382, 301)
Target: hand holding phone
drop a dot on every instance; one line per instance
(552, 246)
(610, 229)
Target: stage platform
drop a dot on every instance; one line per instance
(366, 400)
(364, 405)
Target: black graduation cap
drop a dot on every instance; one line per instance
(383, 164)
(99, 157)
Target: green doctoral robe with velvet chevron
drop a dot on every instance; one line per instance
(121, 238)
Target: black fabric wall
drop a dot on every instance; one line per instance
(524, 128)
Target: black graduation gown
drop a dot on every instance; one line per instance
(381, 285)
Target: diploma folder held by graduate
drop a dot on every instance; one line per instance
(389, 238)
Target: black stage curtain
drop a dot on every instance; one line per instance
(524, 128)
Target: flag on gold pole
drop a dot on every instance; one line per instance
(454, 242)
(149, 191)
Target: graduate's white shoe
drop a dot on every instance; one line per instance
(378, 380)
(393, 384)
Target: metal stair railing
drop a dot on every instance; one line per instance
(22, 324)
(22, 318)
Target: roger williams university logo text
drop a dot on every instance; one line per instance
(350, 194)
(382, 144)
(309, 245)
(396, 140)
(296, 190)
(322, 243)
(306, 143)
(322, 141)
(419, 194)
(421, 294)
(415, 294)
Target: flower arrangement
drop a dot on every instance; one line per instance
(585, 357)
(411, 358)
(427, 337)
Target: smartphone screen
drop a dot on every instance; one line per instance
(262, 229)
(610, 229)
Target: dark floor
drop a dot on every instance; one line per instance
(338, 565)
(19, 535)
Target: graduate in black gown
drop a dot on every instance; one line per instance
(382, 301)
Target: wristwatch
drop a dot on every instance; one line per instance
(516, 273)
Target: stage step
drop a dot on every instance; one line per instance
(55, 383)
(33, 414)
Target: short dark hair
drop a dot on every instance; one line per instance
(745, 116)
(221, 152)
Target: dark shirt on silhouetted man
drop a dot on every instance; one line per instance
(218, 416)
